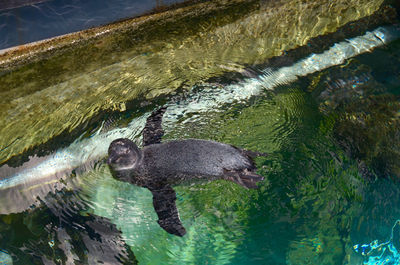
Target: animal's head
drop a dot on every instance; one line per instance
(123, 158)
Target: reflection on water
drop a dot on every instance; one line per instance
(385, 253)
(205, 100)
(61, 231)
(5, 258)
(158, 58)
(323, 191)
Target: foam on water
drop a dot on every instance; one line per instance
(81, 152)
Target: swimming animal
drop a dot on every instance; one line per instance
(159, 166)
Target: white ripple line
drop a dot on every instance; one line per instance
(95, 148)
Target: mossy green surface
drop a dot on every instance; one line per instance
(46, 93)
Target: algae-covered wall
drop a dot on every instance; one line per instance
(54, 86)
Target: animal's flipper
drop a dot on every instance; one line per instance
(168, 216)
(153, 130)
(245, 178)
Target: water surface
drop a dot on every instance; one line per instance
(330, 123)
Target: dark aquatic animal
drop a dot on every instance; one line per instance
(159, 166)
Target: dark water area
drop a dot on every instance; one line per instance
(62, 232)
(45, 19)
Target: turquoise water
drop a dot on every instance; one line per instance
(331, 178)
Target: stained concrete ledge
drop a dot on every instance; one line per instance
(54, 86)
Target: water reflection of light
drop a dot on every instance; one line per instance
(5, 258)
(213, 98)
(94, 148)
(386, 253)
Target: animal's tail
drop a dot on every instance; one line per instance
(245, 178)
(250, 179)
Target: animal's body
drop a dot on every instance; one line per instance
(159, 166)
(187, 160)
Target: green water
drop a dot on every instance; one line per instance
(331, 179)
(316, 202)
(320, 196)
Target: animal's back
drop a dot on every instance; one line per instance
(194, 157)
